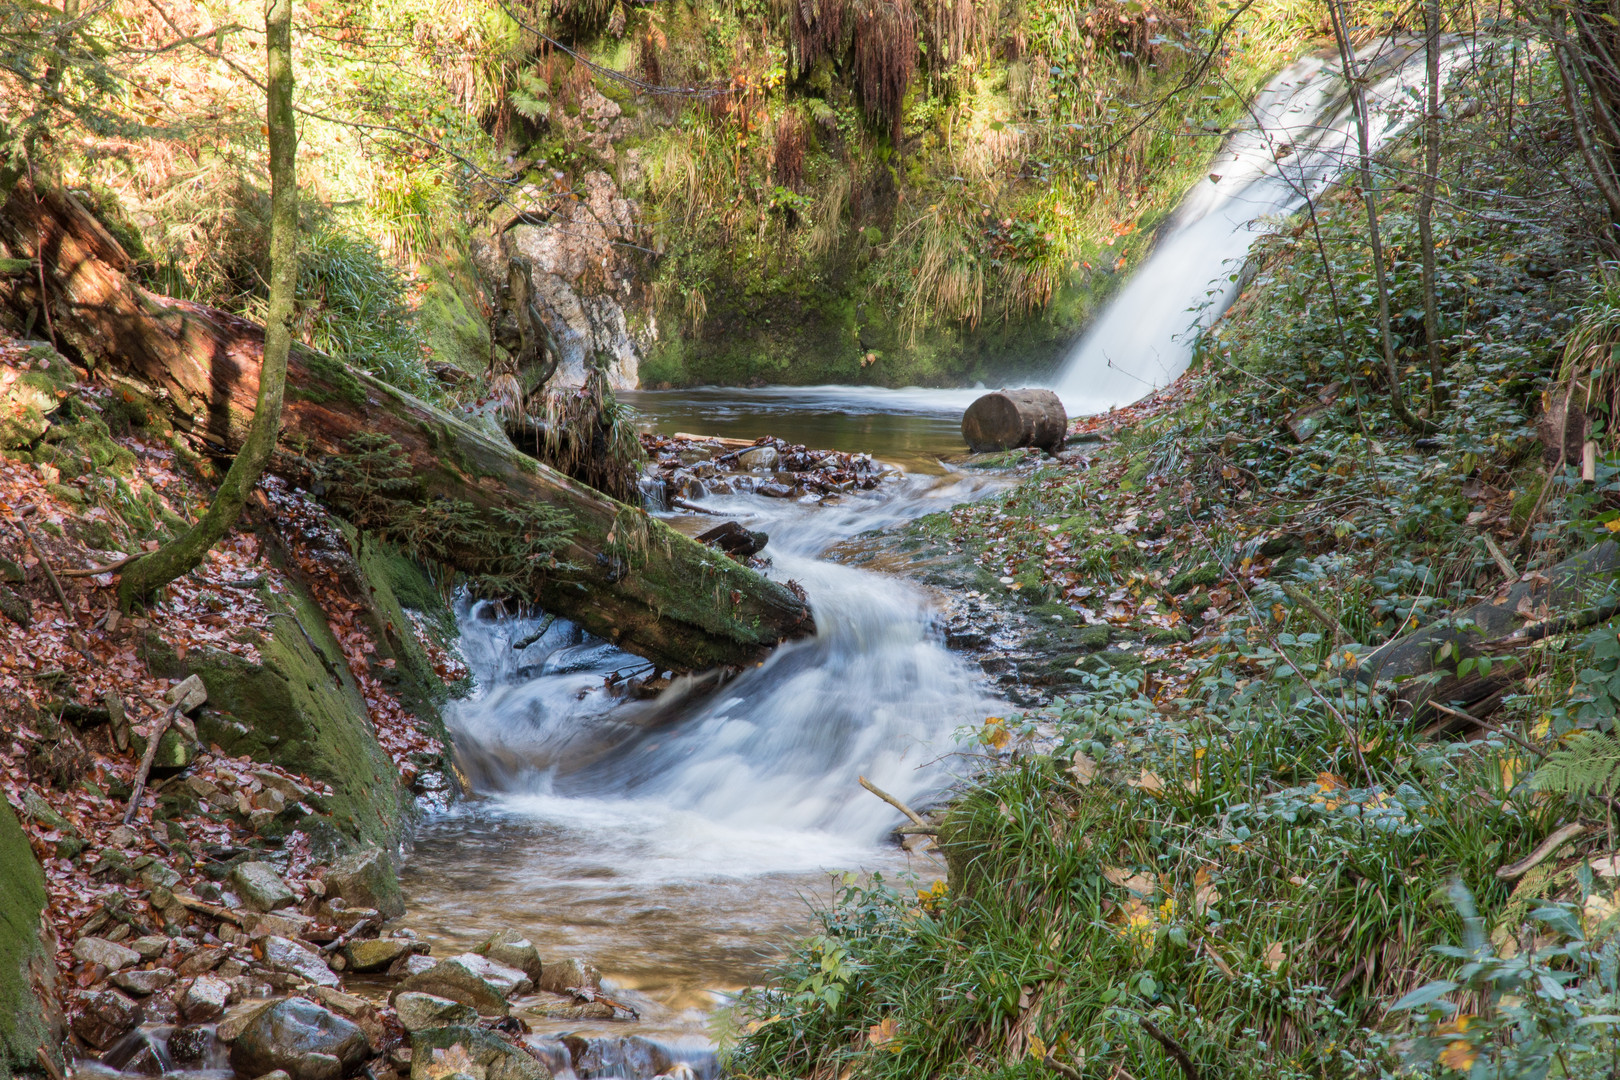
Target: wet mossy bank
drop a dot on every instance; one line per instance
(30, 1021)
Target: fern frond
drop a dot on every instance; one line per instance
(1582, 766)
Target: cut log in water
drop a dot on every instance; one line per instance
(1009, 419)
(623, 575)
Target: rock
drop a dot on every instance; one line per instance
(297, 959)
(105, 1017)
(143, 983)
(261, 886)
(760, 458)
(348, 918)
(515, 951)
(565, 1007)
(277, 1074)
(377, 954)
(734, 540)
(436, 1051)
(109, 954)
(190, 1045)
(414, 964)
(301, 1038)
(150, 947)
(471, 980)
(367, 879)
(204, 1000)
(561, 976)
(282, 924)
(356, 1008)
(237, 1018)
(202, 961)
(775, 491)
(418, 1012)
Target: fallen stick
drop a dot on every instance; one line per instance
(1176, 1050)
(1494, 729)
(147, 758)
(1541, 851)
(1299, 597)
(109, 568)
(39, 553)
(694, 507)
(191, 903)
(722, 440)
(1501, 559)
(897, 804)
(344, 938)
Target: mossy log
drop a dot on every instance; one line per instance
(623, 575)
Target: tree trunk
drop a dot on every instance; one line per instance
(1431, 177)
(623, 575)
(1007, 419)
(182, 554)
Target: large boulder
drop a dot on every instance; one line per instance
(300, 1038)
(376, 954)
(29, 1017)
(297, 959)
(109, 954)
(367, 878)
(418, 1012)
(438, 1051)
(104, 1017)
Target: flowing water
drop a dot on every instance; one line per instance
(675, 841)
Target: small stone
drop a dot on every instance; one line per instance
(202, 961)
(515, 951)
(561, 976)
(237, 1018)
(367, 879)
(414, 964)
(150, 947)
(276, 1074)
(190, 1045)
(105, 1017)
(109, 954)
(761, 458)
(260, 885)
(204, 1000)
(418, 1012)
(301, 1038)
(143, 983)
(287, 923)
(296, 959)
(123, 837)
(376, 954)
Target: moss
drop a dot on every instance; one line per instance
(27, 403)
(1206, 575)
(393, 582)
(300, 709)
(340, 383)
(448, 315)
(85, 447)
(28, 1018)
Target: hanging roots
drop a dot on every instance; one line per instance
(587, 434)
(951, 27)
(885, 58)
(818, 30)
(787, 158)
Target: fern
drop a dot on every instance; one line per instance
(1583, 766)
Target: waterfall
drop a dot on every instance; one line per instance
(1300, 136)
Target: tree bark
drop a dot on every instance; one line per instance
(182, 554)
(1431, 177)
(1007, 419)
(624, 575)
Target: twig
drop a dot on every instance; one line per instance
(1488, 726)
(1298, 596)
(344, 938)
(1541, 851)
(696, 509)
(191, 903)
(94, 570)
(1176, 1051)
(1061, 1069)
(896, 803)
(1502, 560)
(39, 553)
(530, 639)
(47, 1064)
(158, 731)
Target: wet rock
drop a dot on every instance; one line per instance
(367, 879)
(567, 1007)
(355, 1008)
(260, 885)
(105, 1017)
(633, 1055)
(407, 966)
(472, 980)
(201, 961)
(378, 954)
(418, 1012)
(436, 1051)
(734, 540)
(563, 976)
(150, 947)
(775, 491)
(136, 1054)
(237, 1018)
(761, 458)
(515, 951)
(300, 1038)
(109, 954)
(296, 959)
(143, 982)
(190, 1045)
(344, 917)
(286, 924)
(204, 1000)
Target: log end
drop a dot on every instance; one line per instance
(1009, 419)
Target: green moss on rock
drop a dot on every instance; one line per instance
(448, 317)
(29, 1016)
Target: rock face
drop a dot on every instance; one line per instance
(300, 1038)
(436, 1052)
(580, 280)
(29, 1017)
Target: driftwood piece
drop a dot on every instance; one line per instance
(623, 575)
(1008, 419)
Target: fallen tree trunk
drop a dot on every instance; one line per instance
(621, 574)
(1577, 593)
(1008, 419)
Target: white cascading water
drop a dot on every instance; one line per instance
(1300, 137)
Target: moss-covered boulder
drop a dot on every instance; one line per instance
(28, 396)
(448, 316)
(299, 707)
(30, 1018)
